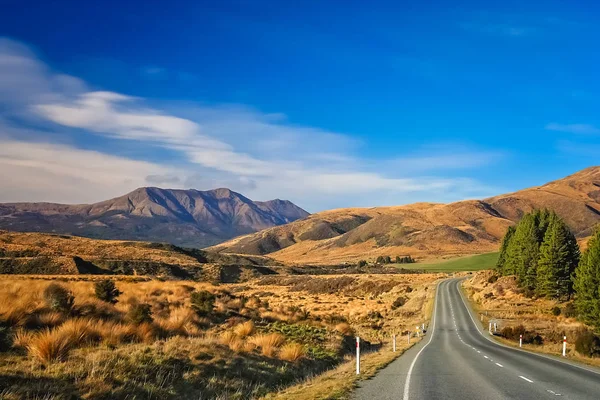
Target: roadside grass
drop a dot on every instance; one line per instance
(468, 263)
(502, 302)
(339, 383)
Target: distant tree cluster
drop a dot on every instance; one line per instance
(398, 260)
(543, 253)
(405, 260)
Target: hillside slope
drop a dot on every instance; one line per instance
(424, 230)
(40, 253)
(182, 217)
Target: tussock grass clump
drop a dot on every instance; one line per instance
(344, 329)
(79, 331)
(49, 319)
(49, 345)
(244, 329)
(267, 343)
(291, 352)
(21, 338)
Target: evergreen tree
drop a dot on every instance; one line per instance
(559, 256)
(501, 264)
(523, 250)
(587, 283)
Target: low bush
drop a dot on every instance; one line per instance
(570, 311)
(107, 291)
(493, 279)
(140, 313)
(556, 311)
(203, 302)
(587, 343)
(58, 298)
(399, 302)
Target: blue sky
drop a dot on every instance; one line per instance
(328, 104)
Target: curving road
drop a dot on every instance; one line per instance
(459, 361)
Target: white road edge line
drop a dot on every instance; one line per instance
(412, 365)
(527, 379)
(467, 307)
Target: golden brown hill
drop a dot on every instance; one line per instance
(423, 230)
(38, 253)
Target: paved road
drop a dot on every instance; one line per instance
(459, 361)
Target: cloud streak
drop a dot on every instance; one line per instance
(261, 154)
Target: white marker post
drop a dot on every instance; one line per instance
(520, 340)
(490, 328)
(394, 342)
(408, 337)
(423, 327)
(357, 355)
(495, 327)
(417, 328)
(564, 346)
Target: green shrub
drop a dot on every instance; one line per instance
(493, 279)
(58, 298)
(556, 311)
(362, 263)
(203, 302)
(140, 313)
(106, 291)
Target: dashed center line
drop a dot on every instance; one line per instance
(500, 365)
(526, 379)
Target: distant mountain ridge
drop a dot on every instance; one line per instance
(424, 230)
(182, 217)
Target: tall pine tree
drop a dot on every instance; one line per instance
(587, 283)
(559, 256)
(523, 250)
(501, 264)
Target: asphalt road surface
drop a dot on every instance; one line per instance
(457, 360)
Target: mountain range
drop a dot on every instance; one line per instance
(189, 218)
(423, 230)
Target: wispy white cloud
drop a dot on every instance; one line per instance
(261, 154)
(579, 129)
(52, 172)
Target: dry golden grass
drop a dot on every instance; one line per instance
(336, 305)
(49, 345)
(345, 329)
(244, 329)
(291, 352)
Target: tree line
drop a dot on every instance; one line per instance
(542, 252)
